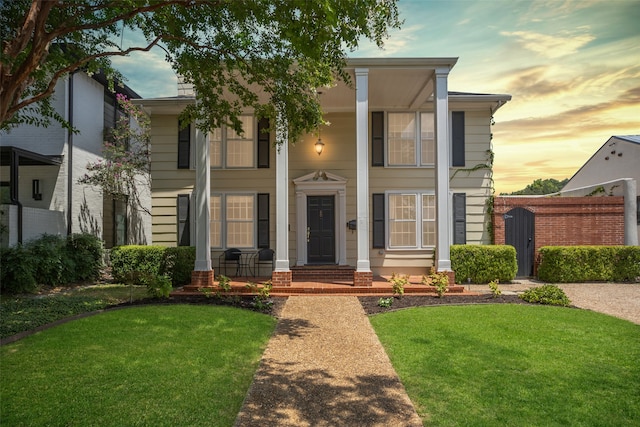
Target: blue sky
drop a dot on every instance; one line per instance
(572, 67)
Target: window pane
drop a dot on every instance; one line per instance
(215, 222)
(402, 220)
(240, 147)
(215, 148)
(428, 220)
(240, 221)
(427, 141)
(402, 139)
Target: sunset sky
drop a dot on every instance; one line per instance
(572, 68)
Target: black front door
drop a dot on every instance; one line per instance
(519, 232)
(321, 240)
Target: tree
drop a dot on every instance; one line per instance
(542, 186)
(289, 48)
(126, 164)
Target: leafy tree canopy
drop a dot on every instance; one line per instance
(542, 186)
(224, 47)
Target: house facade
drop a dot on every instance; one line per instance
(41, 166)
(404, 172)
(614, 169)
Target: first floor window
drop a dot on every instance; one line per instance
(232, 222)
(412, 220)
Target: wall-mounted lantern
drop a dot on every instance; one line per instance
(35, 189)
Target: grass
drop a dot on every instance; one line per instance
(27, 312)
(148, 365)
(515, 365)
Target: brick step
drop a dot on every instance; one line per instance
(322, 273)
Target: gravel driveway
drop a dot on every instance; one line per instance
(616, 299)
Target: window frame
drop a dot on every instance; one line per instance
(417, 143)
(419, 220)
(224, 133)
(224, 244)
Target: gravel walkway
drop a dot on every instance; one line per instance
(325, 366)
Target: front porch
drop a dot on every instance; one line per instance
(331, 283)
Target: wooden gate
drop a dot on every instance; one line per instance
(519, 227)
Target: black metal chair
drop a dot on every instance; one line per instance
(230, 257)
(264, 256)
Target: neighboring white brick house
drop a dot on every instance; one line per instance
(41, 166)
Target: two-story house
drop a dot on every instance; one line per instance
(41, 167)
(402, 172)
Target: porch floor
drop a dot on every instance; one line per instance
(380, 287)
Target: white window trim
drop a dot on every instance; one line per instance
(223, 148)
(223, 218)
(417, 142)
(419, 232)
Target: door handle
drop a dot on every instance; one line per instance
(308, 234)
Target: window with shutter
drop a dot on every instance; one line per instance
(459, 219)
(457, 139)
(184, 231)
(184, 146)
(263, 220)
(377, 138)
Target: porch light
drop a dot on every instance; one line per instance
(319, 146)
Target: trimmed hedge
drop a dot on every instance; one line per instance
(140, 265)
(50, 260)
(576, 264)
(484, 263)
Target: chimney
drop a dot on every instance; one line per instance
(185, 89)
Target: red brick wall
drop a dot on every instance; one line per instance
(566, 221)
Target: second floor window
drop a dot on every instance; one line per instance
(410, 139)
(229, 149)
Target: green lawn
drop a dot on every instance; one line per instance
(512, 365)
(150, 365)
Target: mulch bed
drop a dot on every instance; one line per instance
(370, 304)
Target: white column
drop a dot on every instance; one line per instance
(282, 197)
(631, 229)
(203, 205)
(443, 214)
(362, 168)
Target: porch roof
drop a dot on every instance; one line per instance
(27, 158)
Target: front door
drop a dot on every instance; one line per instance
(519, 230)
(321, 239)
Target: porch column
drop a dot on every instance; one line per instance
(443, 214)
(363, 275)
(630, 212)
(282, 274)
(202, 274)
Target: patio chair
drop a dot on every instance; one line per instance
(264, 256)
(229, 257)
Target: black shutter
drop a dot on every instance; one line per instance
(183, 220)
(377, 138)
(184, 146)
(263, 144)
(378, 220)
(459, 218)
(263, 220)
(457, 138)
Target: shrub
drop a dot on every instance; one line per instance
(85, 252)
(546, 294)
(135, 264)
(495, 289)
(589, 263)
(159, 286)
(17, 270)
(484, 263)
(398, 283)
(385, 302)
(438, 280)
(178, 264)
(52, 264)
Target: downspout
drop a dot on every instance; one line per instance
(13, 190)
(70, 157)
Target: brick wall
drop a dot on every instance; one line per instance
(566, 221)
